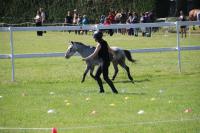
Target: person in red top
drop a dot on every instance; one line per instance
(106, 23)
(111, 17)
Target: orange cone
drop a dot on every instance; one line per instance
(54, 130)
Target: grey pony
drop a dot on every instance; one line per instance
(86, 50)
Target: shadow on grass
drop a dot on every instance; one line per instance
(135, 81)
(109, 92)
(132, 93)
(191, 73)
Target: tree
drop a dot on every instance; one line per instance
(18, 11)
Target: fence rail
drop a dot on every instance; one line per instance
(177, 25)
(100, 26)
(61, 54)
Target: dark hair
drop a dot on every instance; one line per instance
(97, 35)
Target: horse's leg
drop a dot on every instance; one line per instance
(91, 72)
(85, 73)
(123, 64)
(116, 69)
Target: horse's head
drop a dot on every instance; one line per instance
(70, 50)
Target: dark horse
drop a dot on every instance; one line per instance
(84, 51)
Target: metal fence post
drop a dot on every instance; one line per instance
(97, 27)
(178, 45)
(12, 53)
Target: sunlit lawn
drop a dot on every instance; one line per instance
(161, 100)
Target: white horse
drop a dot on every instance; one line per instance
(85, 50)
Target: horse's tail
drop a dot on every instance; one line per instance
(128, 56)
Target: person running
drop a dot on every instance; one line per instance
(102, 51)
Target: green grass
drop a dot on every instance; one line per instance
(25, 102)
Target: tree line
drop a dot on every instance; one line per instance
(19, 11)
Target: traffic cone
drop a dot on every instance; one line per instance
(54, 130)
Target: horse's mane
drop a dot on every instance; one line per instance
(82, 44)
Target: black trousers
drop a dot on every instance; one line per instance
(103, 68)
(39, 33)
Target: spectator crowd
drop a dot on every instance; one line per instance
(113, 17)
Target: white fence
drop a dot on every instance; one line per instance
(177, 24)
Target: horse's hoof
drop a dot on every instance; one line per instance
(101, 91)
(131, 79)
(115, 91)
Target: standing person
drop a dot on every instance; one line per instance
(106, 23)
(75, 18)
(135, 20)
(102, 19)
(68, 20)
(79, 22)
(143, 20)
(123, 19)
(130, 21)
(102, 51)
(43, 16)
(111, 17)
(118, 16)
(147, 20)
(38, 21)
(85, 21)
(183, 27)
(198, 16)
(150, 20)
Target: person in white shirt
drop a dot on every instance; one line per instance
(43, 16)
(38, 22)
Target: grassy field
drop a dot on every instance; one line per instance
(48, 91)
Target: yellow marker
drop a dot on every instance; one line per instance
(93, 112)
(87, 99)
(153, 99)
(126, 98)
(112, 104)
(67, 104)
